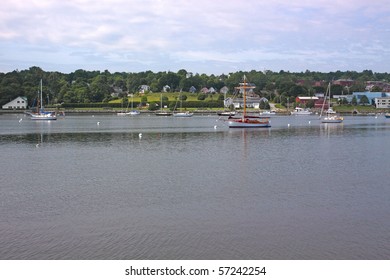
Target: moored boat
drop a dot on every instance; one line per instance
(183, 114)
(247, 120)
(298, 111)
(227, 113)
(331, 116)
(41, 114)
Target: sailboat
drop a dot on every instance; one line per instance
(41, 114)
(331, 116)
(132, 112)
(163, 113)
(247, 120)
(181, 113)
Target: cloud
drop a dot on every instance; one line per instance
(169, 34)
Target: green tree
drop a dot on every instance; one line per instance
(201, 96)
(354, 100)
(144, 100)
(153, 106)
(99, 89)
(364, 100)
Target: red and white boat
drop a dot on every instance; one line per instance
(247, 120)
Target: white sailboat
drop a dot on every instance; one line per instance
(247, 120)
(181, 113)
(331, 116)
(163, 113)
(132, 112)
(41, 114)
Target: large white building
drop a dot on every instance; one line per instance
(17, 103)
(382, 102)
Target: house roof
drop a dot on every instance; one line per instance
(308, 97)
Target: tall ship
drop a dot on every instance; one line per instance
(247, 120)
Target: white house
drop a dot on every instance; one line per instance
(166, 88)
(144, 88)
(17, 103)
(250, 102)
(382, 102)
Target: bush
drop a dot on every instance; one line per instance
(202, 96)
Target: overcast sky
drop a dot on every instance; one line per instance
(201, 36)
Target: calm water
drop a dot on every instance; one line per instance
(73, 189)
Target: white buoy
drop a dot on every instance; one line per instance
(37, 145)
(98, 123)
(140, 135)
(288, 125)
(215, 127)
(20, 120)
(309, 122)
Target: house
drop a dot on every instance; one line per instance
(166, 88)
(381, 84)
(204, 90)
(344, 82)
(18, 103)
(250, 102)
(212, 90)
(305, 99)
(192, 89)
(382, 102)
(144, 88)
(224, 90)
(370, 95)
(116, 91)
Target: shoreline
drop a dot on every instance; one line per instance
(196, 112)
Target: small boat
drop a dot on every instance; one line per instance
(298, 111)
(331, 116)
(227, 113)
(180, 113)
(387, 115)
(332, 119)
(247, 120)
(41, 114)
(266, 113)
(163, 113)
(183, 114)
(131, 113)
(134, 113)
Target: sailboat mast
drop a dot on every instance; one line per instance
(329, 99)
(41, 96)
(244, 95)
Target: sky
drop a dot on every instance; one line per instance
(200, 36)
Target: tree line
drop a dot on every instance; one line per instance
(83, 86)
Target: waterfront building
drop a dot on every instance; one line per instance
(370, 96)
(18, 103)
(382, 102)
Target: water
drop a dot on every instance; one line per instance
(73, 189)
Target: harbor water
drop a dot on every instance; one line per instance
(148, 187)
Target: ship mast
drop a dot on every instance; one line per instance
(244, 86)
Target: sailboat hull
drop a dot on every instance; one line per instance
(163, 114)
(247, 122)
(332, 120)
(183, 114)
(43, 117)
